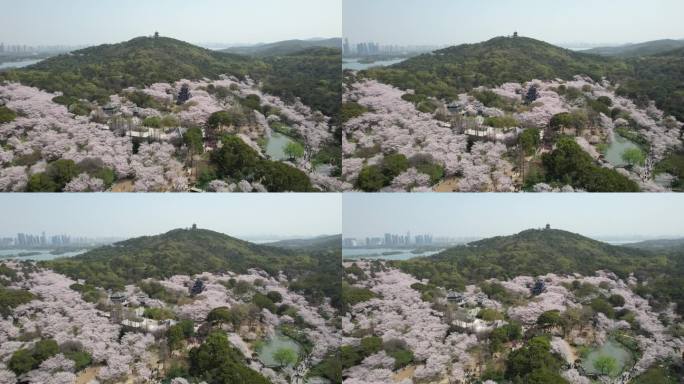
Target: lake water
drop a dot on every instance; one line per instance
(36, 254)
(18, 64)
(354, 64)
(616, 148)
(276, 146)
(278, 341)
(377, 253)
(610, 348)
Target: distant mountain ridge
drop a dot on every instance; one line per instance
(638, 49)
(284, 47)
(319, 242)
(658, 244)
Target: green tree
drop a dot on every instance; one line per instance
(45, 349)
(169, 121)
(194, 140)
(262, 301)
(217, 362)
(489, 314)
(152, 122)
(534, 356)
(350, 110)
(21, 362)
(370, 179)
(41, 182)
(220, 315)
(62, 171)
(393, 165)
(220, 118)
(6, 115)
(529, 140)
(549, 319)
(174, 337)
(600, 304)
(252, 102)
(294, 150)
(11, 298)
(606, 365)
(371, 345)
(235, 158)
(285, 356)
(81, 359)
(616, 300)
(570, 164)
(402, 358)
(633, 156)
(280, 177)
(275, 296)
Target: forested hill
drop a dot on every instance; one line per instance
(180, 251)
(95, 73)
(532, 252)
(447, 72)
(285, 47)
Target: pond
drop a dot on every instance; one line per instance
(616, 148)
(37, 254)
(356, 65)
(386, 253)
(275, 147)
(269, 348)
(18, 64)
(610, 348)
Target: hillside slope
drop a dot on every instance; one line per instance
(314, 75)
(447, 72)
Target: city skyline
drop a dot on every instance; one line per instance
(45, 22)
(130, 215)
(438, 22)
(473, 215)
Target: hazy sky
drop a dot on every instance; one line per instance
(74, 22)
(486, 214)
(124, 215)
(437, 22)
